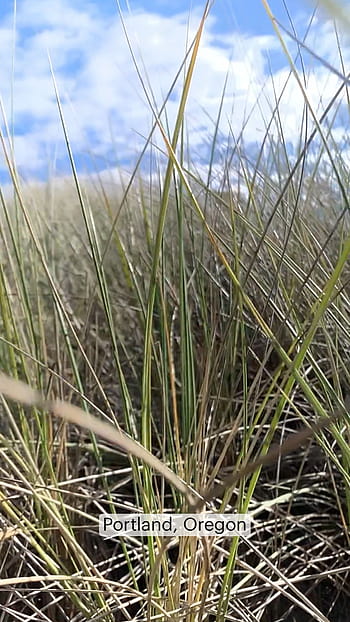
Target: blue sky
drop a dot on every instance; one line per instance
(105, 108)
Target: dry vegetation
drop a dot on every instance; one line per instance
(208, 325)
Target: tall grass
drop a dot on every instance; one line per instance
(194, 341)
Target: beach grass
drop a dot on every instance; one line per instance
(164, 340)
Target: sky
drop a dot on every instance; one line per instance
(241, 70)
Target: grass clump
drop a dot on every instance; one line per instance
(206, 323)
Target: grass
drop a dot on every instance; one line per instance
(193, 341)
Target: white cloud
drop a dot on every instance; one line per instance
(102, 94)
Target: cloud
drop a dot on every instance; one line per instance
(105, 107)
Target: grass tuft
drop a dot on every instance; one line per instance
(175, 343)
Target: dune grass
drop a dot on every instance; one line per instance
(194, 340)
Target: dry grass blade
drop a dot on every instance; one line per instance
(20, 392)
(6, 534)
(290, 444)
